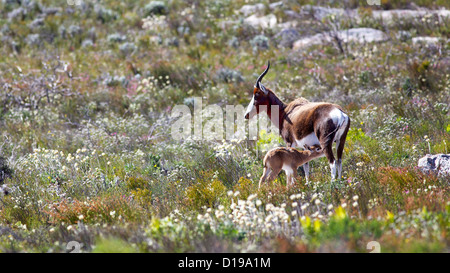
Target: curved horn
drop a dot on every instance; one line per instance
(258, 81)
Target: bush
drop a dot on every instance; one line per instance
(156, 8)
(206, 192)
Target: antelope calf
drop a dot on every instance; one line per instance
(287, 159)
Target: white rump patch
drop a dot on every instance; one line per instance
(340, 119)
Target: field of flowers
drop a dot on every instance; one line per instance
(88, 162)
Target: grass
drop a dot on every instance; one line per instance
(86, 154)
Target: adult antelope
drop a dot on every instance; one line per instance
(302, 122)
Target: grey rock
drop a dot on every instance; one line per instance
(389, 16)
(322, 12)
(356, 35)
(287, 37)
(438, 164)
(246, 10)
(425, 40)
(276, 5)
(268, 21)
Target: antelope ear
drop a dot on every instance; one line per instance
(262, 88)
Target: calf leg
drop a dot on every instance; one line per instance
(294, 175)
(269, 175)
(290, 174)
(266, 172)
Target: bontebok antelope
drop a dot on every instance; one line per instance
(302, 122)
(287, 159)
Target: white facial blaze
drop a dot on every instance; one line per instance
(251, 109)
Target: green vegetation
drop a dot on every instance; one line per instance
(86, 93)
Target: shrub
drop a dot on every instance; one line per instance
(259, 42)
(5, 171)
(206, 192)
(156, 8)
(227, 75)
(107, 209)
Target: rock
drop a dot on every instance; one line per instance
(287, 25)
(322, 12)
(246, 10)
(438, 164)
(425, 40)
(389, 16)
(276, 5)
(363, 35)
(287, 37)
(292, 14)
(268, 21)
(357, 35)
(306, 42)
